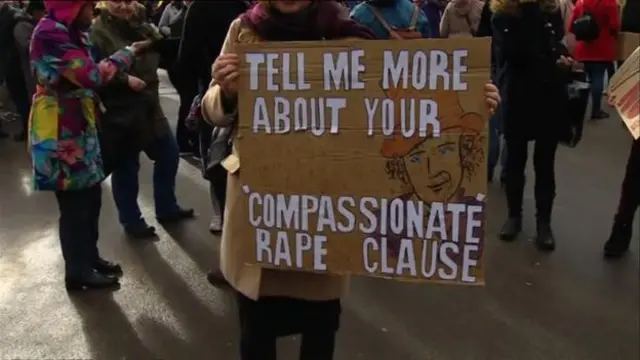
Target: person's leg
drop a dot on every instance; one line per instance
(255, 342)
(187, 89)
(544, 160)
(515, 163)
(503, 162)
(76, 240)
(98, 263)
(164, 153)
(125, 187)
(622, 231)
(20, 98)
(215, 225)
(596, 70)
(318, 345)
(494, 146)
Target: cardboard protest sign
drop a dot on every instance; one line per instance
(624, 92)
(627, 43)
(364, 157)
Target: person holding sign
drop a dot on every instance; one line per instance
(622, 230)
(274, 303)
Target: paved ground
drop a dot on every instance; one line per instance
(567, 305)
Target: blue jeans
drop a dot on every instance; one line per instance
(124, 181)
(595, 71)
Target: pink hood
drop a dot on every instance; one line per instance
(64, 11)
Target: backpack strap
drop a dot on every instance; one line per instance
(414, 17)
(381, 19)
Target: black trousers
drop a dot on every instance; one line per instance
(545, 181)
(78, 228)
(17, 87)
(187, 88)
(630, 194)
(263, 321)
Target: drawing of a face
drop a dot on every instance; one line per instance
(434, 168)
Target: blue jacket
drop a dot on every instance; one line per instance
(397, 15)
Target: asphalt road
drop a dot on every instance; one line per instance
(570, 304)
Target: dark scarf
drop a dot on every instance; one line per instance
(320, 20)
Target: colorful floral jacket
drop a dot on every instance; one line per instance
(63, 132)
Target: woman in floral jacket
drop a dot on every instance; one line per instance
(63, 134)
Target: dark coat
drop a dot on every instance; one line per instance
(533, 87)
(142, 109)
(631, 16)
(205, 28)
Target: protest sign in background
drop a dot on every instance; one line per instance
(363, 189)
(624, 92)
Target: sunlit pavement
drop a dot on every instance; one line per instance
(567, 305)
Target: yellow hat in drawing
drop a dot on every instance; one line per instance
(452, 118)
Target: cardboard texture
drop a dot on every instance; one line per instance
(627, 44)
(339, 182)
(624, 92)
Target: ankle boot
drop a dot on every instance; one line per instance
(544, 240)
(511, 229)
(619, 239)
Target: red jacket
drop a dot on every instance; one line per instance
(606, 15)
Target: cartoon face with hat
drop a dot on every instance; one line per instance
(434, 168)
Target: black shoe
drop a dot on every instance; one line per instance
(511, 229)
(619, 240)
(544, 240)
(600, 115)
(92, 281)
(105, 267)
(140, 232)
(180, 215)
(216, 278)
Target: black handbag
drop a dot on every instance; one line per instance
(577, 102)
(585, 27)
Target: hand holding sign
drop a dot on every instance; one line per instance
(225, 73)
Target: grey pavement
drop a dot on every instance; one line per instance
(570, 304)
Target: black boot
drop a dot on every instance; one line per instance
(216, 278)
(618, 243)
(544, 239)
(105, 267)
(181, 214)
(91, 281)
(511, 229)
(140, 232)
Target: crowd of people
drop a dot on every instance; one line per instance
(87, 94)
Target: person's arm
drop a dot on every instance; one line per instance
(444, 22)
(613, 15)
(57, 53)
(101, 47)
(22, 34)
(219, 109)
(165, 19)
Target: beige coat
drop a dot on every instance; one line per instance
(455, 24)
(254, 281)
(566, 8)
